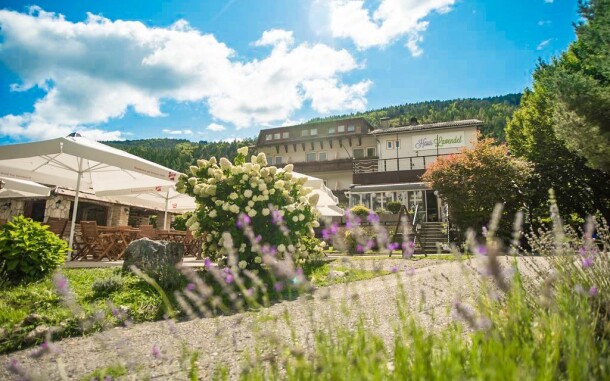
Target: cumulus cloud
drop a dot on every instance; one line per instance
(216, 127)
(98, 69)
(392, 20)
(177, 132)
(543, 44)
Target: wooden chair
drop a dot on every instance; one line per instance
(99, 245)
(147, 231)
(192, 245)
(57, 225)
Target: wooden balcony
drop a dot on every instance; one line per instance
(324, 166)
(395, 170)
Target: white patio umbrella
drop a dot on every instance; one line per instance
(79, 163)
(327, 202)
(164, 198)
(15, 188)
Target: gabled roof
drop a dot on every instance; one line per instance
(427, 126)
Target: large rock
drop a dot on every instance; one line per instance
(154, 258)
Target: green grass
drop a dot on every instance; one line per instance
(319, 276)
(142, 302)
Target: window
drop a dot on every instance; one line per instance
(370, 152)
(397, 144)
(276, 135)
(358, 153)
(351, 128)
(311, 156)
(313, 131)
(269, 160)
(340, 128)
(278, 160)
(331, 130)
(269, 137)
(285, 135)
(305, 133)
(322, 156)
(389, 144)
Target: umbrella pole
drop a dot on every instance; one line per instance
(73, 223)
(165, 215)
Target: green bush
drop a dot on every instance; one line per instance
(180, 221)
(393, 206)
(28, 251)
(103, 287)
(361, 211)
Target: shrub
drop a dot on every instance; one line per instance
(361, 211)
(152, 220)
(103, 287)
(253, 204)
(394, 206)
(28, 251)
(179, 222)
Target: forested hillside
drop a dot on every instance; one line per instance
(493, 111)
(179, 154)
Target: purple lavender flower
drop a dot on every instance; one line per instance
(372, 218)
(190, 287)
(393, 246)
(243, 220)
(108, 378)
(61, 284)
(258, 238)
(360, 248)
(582, 251)
(593, 291)
(369, 244)
(587, 262)
(229, 278)
(276, 217)
(481, 250)
(394, 269)
(250, 291)
(410, 271)
(156, 352)
(207, 262)
(278, 286)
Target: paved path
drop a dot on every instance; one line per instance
(431, 290)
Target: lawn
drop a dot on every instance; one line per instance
(27, 311)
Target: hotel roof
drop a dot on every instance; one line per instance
(427, 126)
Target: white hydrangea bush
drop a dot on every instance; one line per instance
(265, 209)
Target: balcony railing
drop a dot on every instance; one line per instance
(395, 164)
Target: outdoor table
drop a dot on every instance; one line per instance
(123, 235)
(171, 235)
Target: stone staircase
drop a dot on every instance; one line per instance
(431, 237)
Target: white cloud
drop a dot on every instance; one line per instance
(544, 22)
(543, 44)
(392, 20)
(549, 1)
(177, 132)
(95, 70)
(216, 127)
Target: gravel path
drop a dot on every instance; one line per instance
(431, 289)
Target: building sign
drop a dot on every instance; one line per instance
(438, 141)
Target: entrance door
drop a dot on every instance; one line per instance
(432, 206)
(35, 209)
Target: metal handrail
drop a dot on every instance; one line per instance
(386, 165)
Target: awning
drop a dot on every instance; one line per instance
(388, 187)
(15, 188)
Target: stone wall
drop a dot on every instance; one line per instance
(58, 207)
(118, 215)
(10, 208)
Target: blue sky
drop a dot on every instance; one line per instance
(213, 70)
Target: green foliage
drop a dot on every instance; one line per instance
(530, 134)
(152, 220)
(394, 206)
(179, 222)
(493, 111)
(361, 211)
(475, 181)
(106, 286)
(179, 154)
(580, 83)
(111, 372)
(28, 251)
(239, 201)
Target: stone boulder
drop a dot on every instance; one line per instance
(158, 259)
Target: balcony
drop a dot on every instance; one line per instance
(395, 170)
(324, 166)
